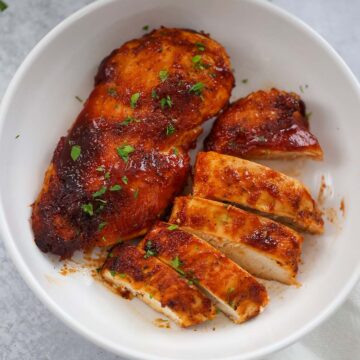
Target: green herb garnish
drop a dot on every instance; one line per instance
(163, 75)
(149, 250)
(124, 151)
(145, 27)
(175, 151)
(3, 6)
(115, 187)
(88, 209)
(197, 88)
(122, 275)
(79, 99)
(244, 81)
(136, 193)
(113, 273)
(128, 120)
(176, 263)
(102, 225)
(166, 101)
(125, 180)
(154, 95)
(75, 152)
(200, 46)
(196, 59)
(17, 136)
(112, 92)
(100, 168)
(170, 129)
(198, 63)
(100, 192)
(134, 99)
(107, 175)
(173, 227)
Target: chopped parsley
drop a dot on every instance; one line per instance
(176, 264)
(198, 63)
(122, 275)
(134, 99)
(244, 81)
(124, 151)
(125, 180)
(170, 129)
(149, 250)
(79, 99)
(75, 152)
(230, 290)
(100, 168)
(128, 120)
(173, 227)
(260, 139)
(197, 88)
(107, 175)
(301, 88)
(102, 225)
(112, 92)
(151, 296)
(136, 193)
(17, 136)
(113, 273)
(3, 5)
(166, 101)
(88, 209)
(175, 151)
(100, 192)
(200, 46)
(116, 187)
(145, 27)
(163, 75)
(154, 95)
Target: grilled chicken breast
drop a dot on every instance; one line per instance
(254, 186)
(261, 246)
(125, 157)
(265, 124)
(156, 284)
(234, 290)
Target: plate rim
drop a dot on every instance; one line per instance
(33, 283)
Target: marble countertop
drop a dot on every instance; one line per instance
(27, 329)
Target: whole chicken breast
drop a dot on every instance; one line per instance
(125, 157)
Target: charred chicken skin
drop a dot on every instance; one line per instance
(265, 124)
(125, 157)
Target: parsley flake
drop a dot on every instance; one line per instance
(197, 88)
(128, 120)
(149, 250)
(154, 95)
(17, 136)
(163, 75)
(170, 129)
(244, 81)
(124, 151)
(125, 180)
(112, 92)
(88, 209)
(122, 275)
(200, 46)
(107, 175)
(134, 99)
(173, 227)
(145, 27)
(100, 192)
(113, 273)
(175, 151)
(75, 152)
(136, 193)
(176, 264)
(100, 168)
(166, 101)
(102, 225)
(79, 99)
(116, 187)
(198, 63)
(3, 6)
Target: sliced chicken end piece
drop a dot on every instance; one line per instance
(263, 247)
(257, 187)
(232, 289)
(159, 286)
(265, 124)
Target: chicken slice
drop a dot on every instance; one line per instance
(234, 290)
(261, 246)
(254, 186)
(265, 124)
(159, 286)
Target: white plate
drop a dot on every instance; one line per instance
(269, 48)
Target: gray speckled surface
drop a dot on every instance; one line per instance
(27, 329)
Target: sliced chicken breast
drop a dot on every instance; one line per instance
(257, 187)
(234, 290)
(131, 269)
(263, 247)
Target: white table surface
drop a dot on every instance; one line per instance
(27, 329)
